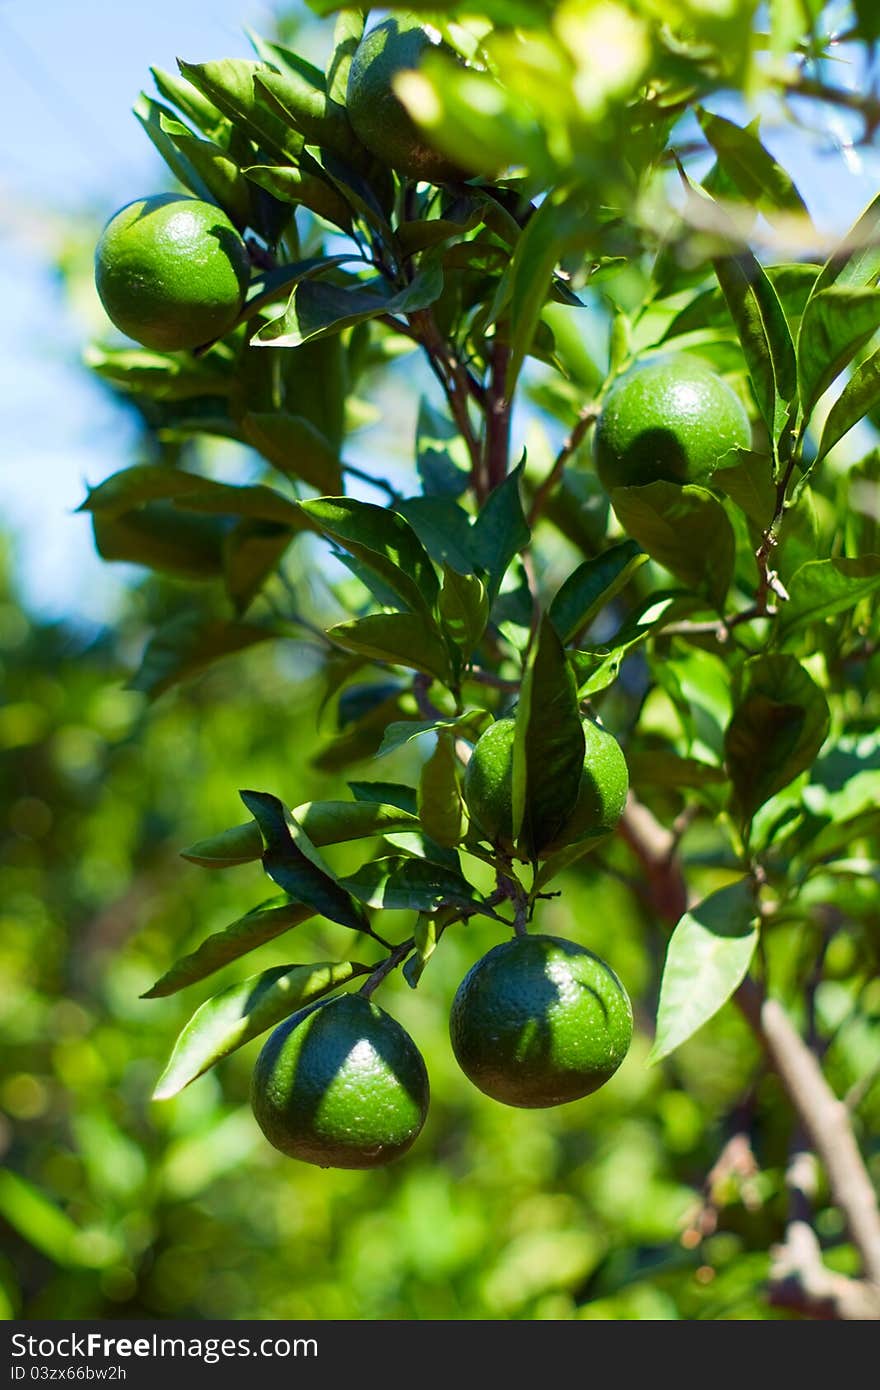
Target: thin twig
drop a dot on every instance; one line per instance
(498, 409)
(381, 484)
(570, 447)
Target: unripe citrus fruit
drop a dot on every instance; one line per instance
(379, 118)
(488, 787)
(341, 1084)
(671, 420)
(171, 271)
(488, 783)
(540, 1021)
(602, 793)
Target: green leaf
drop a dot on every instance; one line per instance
(441, 454)
(402, 639)
(390, 793)
(592, 585)
(596, 670)
(760, 179)
(185, 645)
(346, 37)
(658, 767)
(856, 262)
(298, 97)
(335, 822)
(384, 541)
(529, 278)
(837, 323)
(425, 938)
(244, 1011)
(317, 308)
(299, 186)
(708, 956)
(501, 530)
(685, 529)
(295, 447)
(292, 862)
(264, 923)
(242, 844)
(749, 483)
(764, 335)
(859, 397)
(403, 731)
(229, 84)
(441, 810)
(163, 376)
(204, 115)
(418, 885)
(134, 487)
(821, 588)
(443, 527)
(164, 539)
(779, 724)
(150, 114)
(463, 606)
(252, 552)
(548, 750)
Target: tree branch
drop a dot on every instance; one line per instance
(586, 418)
(498, 417)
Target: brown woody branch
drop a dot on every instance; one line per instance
(825, 1120)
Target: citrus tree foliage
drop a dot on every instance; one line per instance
(723, 629)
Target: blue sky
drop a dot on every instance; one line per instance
(69, 72)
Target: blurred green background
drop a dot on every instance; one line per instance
(114, 1206)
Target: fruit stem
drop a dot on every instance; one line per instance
(391, 962)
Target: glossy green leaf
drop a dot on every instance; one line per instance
(241, 844)
(383, 540)
(685, 529)
(443, 527)
(134, 487)
(220, 175)
(403, 731)
(596, 670)
(757, 175)
(244, 1011)
(164, 539)
(297, 95)
(150, 114)
(266, 922)
(252, 551)
(859, 397)
(298, 186)
(779, 724)
(295, 447)
(347, 34)
(292, 862)
(500, 531)
(163, 376)
(749, 483)
(186, 645)
(463, 606)
(229, 84)
(318, 307)
(764, 335)
(836, 325)
(548, 750)
(441, 454)
(404, 884)
(425, 937)
(708, 956)
(821, 588)
(390, 793)
(539, 249)
(401, 639)
(441, 810)
(592, 585)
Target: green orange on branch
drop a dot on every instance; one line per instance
(341, 1085)
(172, 272)
(670, 420)
(488, 787)
(540, 1021)
(376, 112)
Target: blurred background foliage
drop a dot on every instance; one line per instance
(113, 1206)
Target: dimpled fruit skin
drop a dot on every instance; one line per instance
(171, 272)
(540, 1021)
(602, 793)
(380, 120)
(672, 420)
(341, 1085)
(488, 782)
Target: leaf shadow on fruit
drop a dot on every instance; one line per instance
(653, 456)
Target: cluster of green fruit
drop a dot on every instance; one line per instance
(539, 1021)
(172, 272)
